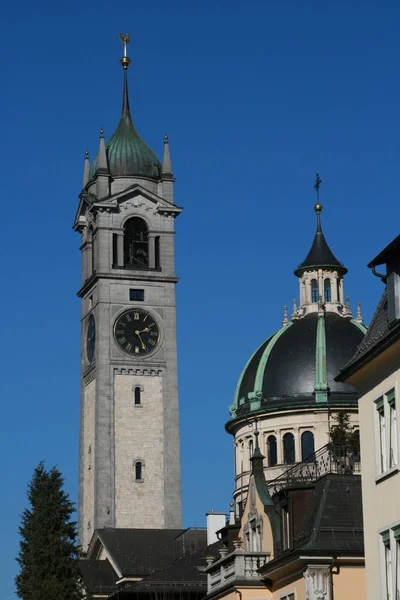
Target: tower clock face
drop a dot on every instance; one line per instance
(136, 332)
(91, 338)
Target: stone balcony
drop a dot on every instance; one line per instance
(237, 566)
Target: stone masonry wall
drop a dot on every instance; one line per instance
(139, 436)
(87, 458)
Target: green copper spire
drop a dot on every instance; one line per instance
(127, 154)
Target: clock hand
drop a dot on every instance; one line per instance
(137, 332)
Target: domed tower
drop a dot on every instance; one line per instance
(288, 385)
(129, 441)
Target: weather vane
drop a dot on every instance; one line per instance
(125, 61)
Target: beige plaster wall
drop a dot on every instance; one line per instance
(297, 587)
(350, 584)
(249, 593)
(381, 506)
(139, 436)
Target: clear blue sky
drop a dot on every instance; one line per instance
(255, 96)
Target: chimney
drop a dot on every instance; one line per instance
(390, 257)
(215, 522)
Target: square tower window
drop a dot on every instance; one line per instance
(136, 295)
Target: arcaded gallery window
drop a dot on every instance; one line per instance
(314, 290)
(327, 290)
(307, 445)
(272, 451)
(136, 244)
(288, 449)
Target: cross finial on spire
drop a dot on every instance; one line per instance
(125, 39)
(317, 183)
(318, 206)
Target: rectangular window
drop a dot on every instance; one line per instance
(391, 400)
(397, 542)
(382, 434)
(288, 597)
(136, 295)
(386, 428)
(114, 250)
(285, 527)
(387, 565)
(157, 252)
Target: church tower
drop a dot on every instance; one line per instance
(129, 432)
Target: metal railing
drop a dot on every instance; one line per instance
(340, 460)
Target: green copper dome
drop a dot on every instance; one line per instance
(290, 368)
(127, 154)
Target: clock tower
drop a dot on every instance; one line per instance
(129, 432)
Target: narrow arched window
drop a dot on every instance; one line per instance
(307, 445)
(314, 290)
(136, 245)
(137, 394)
(288, 449)
(327, 290)
(138, 470)
(250, 452)
(272, 451)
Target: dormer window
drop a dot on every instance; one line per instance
(314, 290)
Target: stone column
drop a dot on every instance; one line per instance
(302, 292)
(318, 582)
(152, 251)
(321, 284)
(120, 249)
(307, 285)
(297, 445)
(341, 298)
(89, 259)
(334, 288)
(279, 453)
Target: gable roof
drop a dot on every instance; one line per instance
(378, 337)
(99, 576)
(139, 552)
(160, 559)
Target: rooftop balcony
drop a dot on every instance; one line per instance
(339, 460)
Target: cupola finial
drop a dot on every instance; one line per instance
(359, 318)
(285, 316)
(125, 60)
(166, 163)
(318, 207)
(86, 170)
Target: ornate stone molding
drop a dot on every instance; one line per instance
(89, 377)
(318, 582)
(138, 371)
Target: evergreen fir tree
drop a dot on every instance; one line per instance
(48, 556)
(343, 435)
